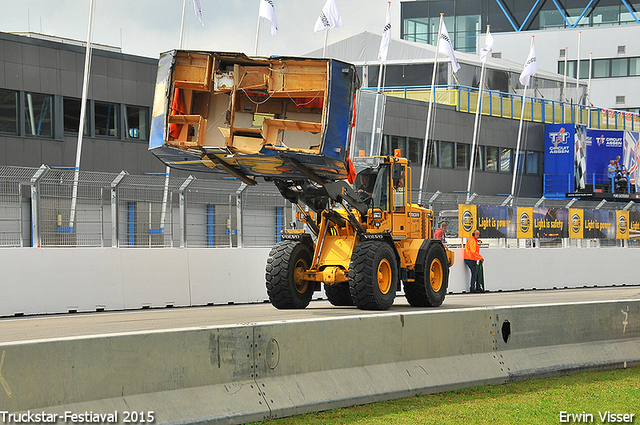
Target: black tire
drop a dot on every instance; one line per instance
(373, 276)
(287, 261)
(430, 285)
(338, 295)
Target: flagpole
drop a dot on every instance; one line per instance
(564, 80)
(589, 87)
(257, 35)
(578, 70)
(184, 9)
(515, 165)
(476, 125)
(324, 49)
(433, 94)
(589, 80)
(83, 111)
(375, 108)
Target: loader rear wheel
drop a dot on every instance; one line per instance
(339, 294)
(285, 269)
(373, 276)
(430, 285)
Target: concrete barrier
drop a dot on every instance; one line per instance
(59, 280)
(236, 374)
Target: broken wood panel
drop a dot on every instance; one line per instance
(193, 71)
(251, 77)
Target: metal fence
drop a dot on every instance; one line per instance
(508, 105)
(50, 207)
(61, 207)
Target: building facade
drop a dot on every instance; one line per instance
(40, 91)
(573, 29)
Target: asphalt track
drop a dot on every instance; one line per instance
(30, 328)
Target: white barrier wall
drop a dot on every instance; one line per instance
(58, 280)
(239, 373)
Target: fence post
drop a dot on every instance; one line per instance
(115, 235)
(183, 210)
(239, 208)
(35, 204)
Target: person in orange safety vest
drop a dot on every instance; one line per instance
(471, 258)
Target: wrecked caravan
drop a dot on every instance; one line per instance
(277, 118)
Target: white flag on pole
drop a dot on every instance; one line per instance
(329, 17)
(386, 39)
(530, 67)
(447, 48)
(268, 11)
(198, 10)
(488, 47)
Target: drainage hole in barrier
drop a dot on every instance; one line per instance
(506, 331)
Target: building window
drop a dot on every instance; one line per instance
(478, 161)
(521, 156)
(398, 142)
(533, 162)
(491, 163)
(71, 111)
(571, 68)
(106, 118)
(606, 15)
(634, 66)
(601, 68)
(446, 154)
(415, 150)
(38, 116)
(417, 30)
(8, 111)
(505, 160)
(384, 149)
(467, 27)
(432, 153)
(625, 15)
(135, 121)
(463, 155)
(551, 19)
(619, 67)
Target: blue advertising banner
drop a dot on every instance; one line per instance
(496, 222)
(599, 224)
(602, 147)
(546, 223)
(550, 223)
(559, 158)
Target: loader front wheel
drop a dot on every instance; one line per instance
(286, 265)
(431, 282)
(373, 276)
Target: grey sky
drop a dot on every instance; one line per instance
(148, 27)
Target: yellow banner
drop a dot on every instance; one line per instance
(467, 220)
(622, 224)
(525, 223)
(576, 223)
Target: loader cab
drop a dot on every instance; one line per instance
(371, 186)
(384, 187)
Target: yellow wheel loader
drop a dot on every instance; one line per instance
(366, 244)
